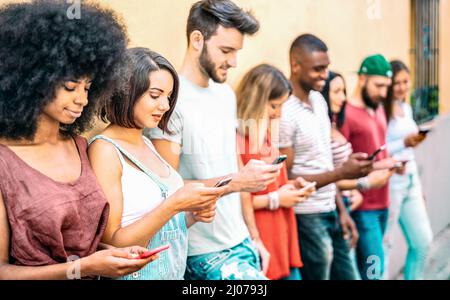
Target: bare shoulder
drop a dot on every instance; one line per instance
(104, 153)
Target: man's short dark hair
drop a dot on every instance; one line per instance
(308, 43)
(207, 15)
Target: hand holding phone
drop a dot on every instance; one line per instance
(424, 129)
(152, 252)
(374, 154)
(279, 159)
(308, 186)
(401, 163)
(223, 182)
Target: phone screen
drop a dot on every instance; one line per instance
(279, 159)
(223, 182)
(382, 148)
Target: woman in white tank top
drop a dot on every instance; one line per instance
(149, 204)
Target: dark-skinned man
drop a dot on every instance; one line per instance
(305, 137)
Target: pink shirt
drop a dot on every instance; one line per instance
(49, 220)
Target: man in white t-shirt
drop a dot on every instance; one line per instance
(202, 144)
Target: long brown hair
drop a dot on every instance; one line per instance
(397, 67)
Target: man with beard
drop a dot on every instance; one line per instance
(202, 145)
(365, 128)
(305, 137)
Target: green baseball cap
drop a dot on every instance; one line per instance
(376, 65)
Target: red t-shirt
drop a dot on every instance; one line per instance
(278, 228)
(367, 133)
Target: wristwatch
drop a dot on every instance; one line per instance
(363, 184)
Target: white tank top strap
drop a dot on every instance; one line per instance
(121, 158)
(143, 168)
(152, 147)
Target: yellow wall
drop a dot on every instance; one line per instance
(444, 53)
(349, 27)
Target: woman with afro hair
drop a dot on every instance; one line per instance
(54, 70)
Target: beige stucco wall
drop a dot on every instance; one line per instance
(351, 28)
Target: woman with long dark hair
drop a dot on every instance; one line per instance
(407, 203)
(335, 94)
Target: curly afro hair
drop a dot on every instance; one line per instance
(41, 47)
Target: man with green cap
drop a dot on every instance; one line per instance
(365, 128)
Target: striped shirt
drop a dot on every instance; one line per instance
(341, 152)
(308, 130)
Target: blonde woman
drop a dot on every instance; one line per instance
(260, 95)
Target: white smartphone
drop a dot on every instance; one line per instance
(308, 186)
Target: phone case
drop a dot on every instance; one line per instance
(153, 251)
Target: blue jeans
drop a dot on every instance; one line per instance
(325, 253)
(408, 208)
(240, 262)
(294, 275)
(369, 251)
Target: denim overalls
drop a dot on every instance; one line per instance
(171, 263)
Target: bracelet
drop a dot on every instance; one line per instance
(363, 184)
(274, 200)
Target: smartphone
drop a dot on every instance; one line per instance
(424, 131)
(400, 163)
(223, 182)
(279, 159)
(308, 186)
(372, 157)
(149, 253)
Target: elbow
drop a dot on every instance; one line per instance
(4, 272)
(118, 240)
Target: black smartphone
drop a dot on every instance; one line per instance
(372, 157)
(223, 182)
(424, 131)
(279, 159)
